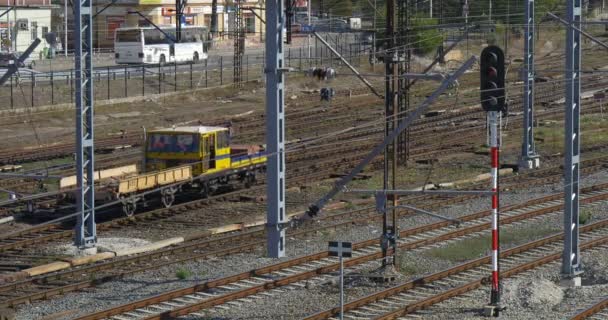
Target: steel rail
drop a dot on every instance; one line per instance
(592, 310)
(315, 272)
(375, 297)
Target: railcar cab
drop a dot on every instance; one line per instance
(205, 148)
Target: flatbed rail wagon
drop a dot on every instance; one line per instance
(196, 158)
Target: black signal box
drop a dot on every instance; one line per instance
(492, 79)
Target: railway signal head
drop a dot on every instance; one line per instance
(492, 79)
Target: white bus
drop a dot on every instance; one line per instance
(150, 45)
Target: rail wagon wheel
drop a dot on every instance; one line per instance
(205, 190)
(168, 196)
(249, 180)
(129, 207)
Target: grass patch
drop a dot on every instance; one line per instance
(183, 274)
(592, 132)
(473, 248)
(584, 217)
(408, 267)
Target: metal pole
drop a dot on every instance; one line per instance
(127, 76)
(191, 80)
(221, 71)
(143, 81)
(65, 28)
(86, 233)
(52, 89)
(108, 81)
(71, 87)
(341, 288)
(275, 128)
(493, 122)
(308, 5)
(529, 158)
(490, 11)
(206, 64)
(12, 98)
(159, 79)
(571, 264)
(33, 84)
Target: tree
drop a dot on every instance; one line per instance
(425, 37)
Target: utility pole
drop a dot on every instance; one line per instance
(179, 14)
(308, 9)
(403, 91)
(431, 9)
(571, 260)
(391, 98)
(465, 11)
(490, 10)
(239, 44)
(85, 233)
(529, 158)
(214, 17)
(275, 128)
(373, 59)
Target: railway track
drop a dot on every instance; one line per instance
(343, 219)
(51, 233)
(13, 245)
(317, 267)
(598, 310)
(421, 293)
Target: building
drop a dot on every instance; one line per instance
(25, 21)
(161, 12)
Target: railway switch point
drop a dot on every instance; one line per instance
(570, 282)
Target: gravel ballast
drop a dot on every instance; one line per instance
(295, 302)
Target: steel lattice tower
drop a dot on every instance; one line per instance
(86, 234)
(404, 53)
(239, 44)
(275, 129)
(571, 263)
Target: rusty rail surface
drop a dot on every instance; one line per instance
(592, 310)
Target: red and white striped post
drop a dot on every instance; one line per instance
(494, 126)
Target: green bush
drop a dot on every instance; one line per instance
(183, 274)
(425, 39)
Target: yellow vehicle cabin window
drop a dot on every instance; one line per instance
(160, 142)
(223, 139)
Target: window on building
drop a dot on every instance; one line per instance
(249, 23)
(34, 30)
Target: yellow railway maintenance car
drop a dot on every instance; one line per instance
(194, 158)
